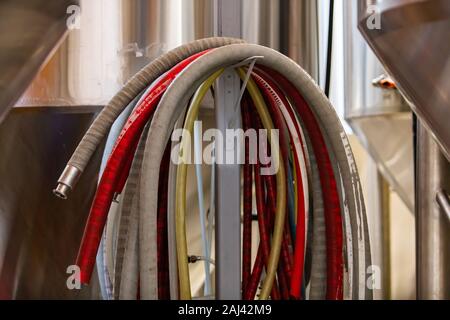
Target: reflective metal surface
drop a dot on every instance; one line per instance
(39, 233)
(90, 65)
(443, 200)
(289, 26)
(413, 44)
(303, 35)
(29, 31)
(432, 224)
(116, 38)
(379, 116)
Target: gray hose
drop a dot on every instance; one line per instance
(101, 125)
(169, 110)
(124, 278)
(127, 201)
(128, 277)
(318, 287)
(105, 273)
(173, 103)
(173, 263)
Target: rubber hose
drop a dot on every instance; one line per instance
(127, 257)
(117, 168)
(162, 232)
(198, 156)
(280, 125)
(102, 124)
(126, 200)
(247, 197)
(180, 204)
(181, 181)
(326, 115)
(263, 221)
(318, 285)
(277, 108)
(332, 204)
(103, 272)
(173, 265)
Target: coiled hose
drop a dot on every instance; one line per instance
(308, 122)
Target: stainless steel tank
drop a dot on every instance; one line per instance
(29, 32)
(290, 26)
(411, 38)
(377, 113)
(40, 234)
(412, 42)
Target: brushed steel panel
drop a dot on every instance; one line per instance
(413, 44)
(39, 233)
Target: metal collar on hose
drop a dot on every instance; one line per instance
(169, 110)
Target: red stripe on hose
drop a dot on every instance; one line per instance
(116, 163)
(283, 271)
(263, 214)
(333, 219)
(264, 222)
(123, 176)
(275, 100)
(255, 277)
(247, 193)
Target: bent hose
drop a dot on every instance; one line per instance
(320, 128)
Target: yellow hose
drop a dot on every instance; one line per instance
(281, 188)
(180, 206)
(180, 202)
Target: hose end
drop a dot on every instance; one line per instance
(67, 182)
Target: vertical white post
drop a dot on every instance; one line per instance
(227, 22)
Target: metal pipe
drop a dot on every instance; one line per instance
(432, 225)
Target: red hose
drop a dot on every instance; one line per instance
(270, 183)
(123, 175)
(113, 171)
(119, 163)
(333, 219)
(263, 214)
(265, 227)
(247, 193)
(283, 271)
(255, 277)
(275, 99)
(299, 253)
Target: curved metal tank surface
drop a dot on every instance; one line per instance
(90, 65)
(116, 38)
(413, 44)
(29, 31)
(289, 26)
(379, 116)
(39, 233)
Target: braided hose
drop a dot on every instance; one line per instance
(323, 168)
(102, 124)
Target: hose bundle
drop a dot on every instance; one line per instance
(311, 217)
